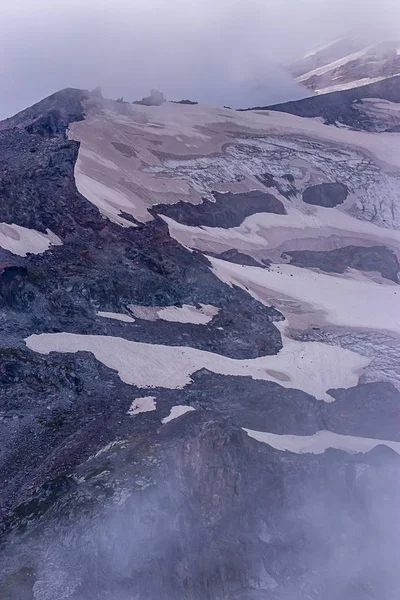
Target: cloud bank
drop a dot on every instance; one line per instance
(216, 51)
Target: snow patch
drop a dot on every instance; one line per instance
(22, 241)
(320, 442)
(142, 405)
(177, 411)
(313, 367)
(344, 301)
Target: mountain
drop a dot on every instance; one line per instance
(199, 357)
(347, 63)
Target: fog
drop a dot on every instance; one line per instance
(216, 51)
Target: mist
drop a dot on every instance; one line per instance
(216, 51)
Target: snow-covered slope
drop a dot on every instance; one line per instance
(199, 360)
(347, 63)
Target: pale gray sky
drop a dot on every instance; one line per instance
(218, 51)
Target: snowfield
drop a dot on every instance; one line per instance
(311, 367)
(22, 241)
(336, 299)
(119, 171)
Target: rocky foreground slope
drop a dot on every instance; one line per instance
(199, 357)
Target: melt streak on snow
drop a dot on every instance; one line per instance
(22, 241)
(320, 442)
(311, 367)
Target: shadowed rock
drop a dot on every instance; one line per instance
(228, 210)
(327, 195)
(371, 410)
(344, 106)
(374, 258)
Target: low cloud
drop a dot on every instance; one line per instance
(217, 51)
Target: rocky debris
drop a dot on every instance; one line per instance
(37, 187)
(370, 258)
(327, 195)
(227, 210)
(156, 98)
(188, 102)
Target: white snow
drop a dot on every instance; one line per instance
(116, 316)
(320, 442)
(335, 64)
(111, 202)
(344, 301)
(22, 241)
(142, 405)
(348, 85)
(312, 367)
(177, 411)
(189, 314)
(179, 314)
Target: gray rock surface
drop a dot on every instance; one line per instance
(374, 258)
(228, 210)
(327, 195)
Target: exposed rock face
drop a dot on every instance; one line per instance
(327, 195)
(195, 498)
(228, 210)
(349, 107)
(374, 258)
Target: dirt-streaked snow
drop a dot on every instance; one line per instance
(142, 405)
(311, 367)
(320, 442)
(22, 241)
(339, 299)
(116, 316)
(177, 411)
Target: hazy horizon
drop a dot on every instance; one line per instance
(222, 52)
